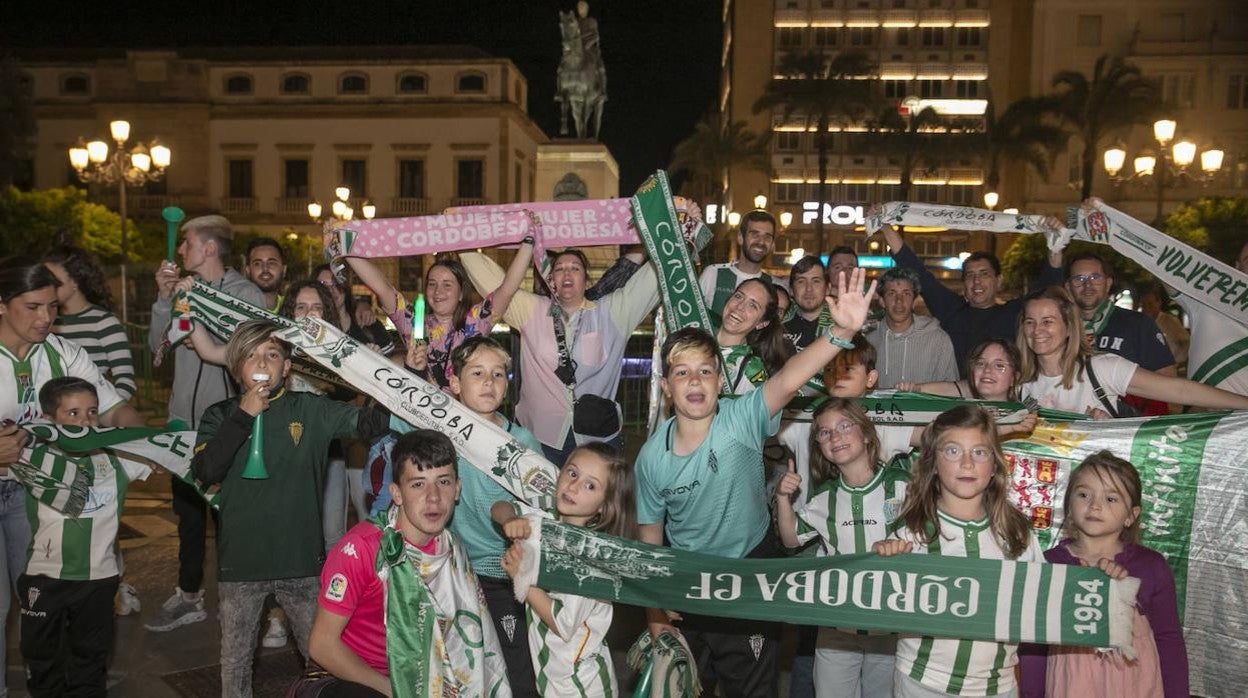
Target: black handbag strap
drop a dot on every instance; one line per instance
(567, 367)
(1096, 387)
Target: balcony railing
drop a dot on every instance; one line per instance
(236, 204)
(149, 203)
(293, 205)
(408, 205)
(461, 201)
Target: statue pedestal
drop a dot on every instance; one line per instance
(570, 169)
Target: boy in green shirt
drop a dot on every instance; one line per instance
(269, 540)
(700, 481)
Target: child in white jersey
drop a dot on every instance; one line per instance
(957, 505)
(568, 633)
(72, 574)
(854, 502)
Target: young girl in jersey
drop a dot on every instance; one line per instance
(568, 633)
(1102, 510)
(957, 505)
(854, 502)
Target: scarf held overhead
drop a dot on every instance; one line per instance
(1191, 271)
(968, 598)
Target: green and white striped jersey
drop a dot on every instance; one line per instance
(962, 667)
(573, 659)
(717, 283)
(82, 548)
(849, 519)
(795, 436)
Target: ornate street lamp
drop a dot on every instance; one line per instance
(340, 209)
(141, 164)
(1165, 164)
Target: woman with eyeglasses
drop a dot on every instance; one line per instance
(991, 370)
(853, 498)
(1061, 371)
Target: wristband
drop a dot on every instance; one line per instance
(837, 341)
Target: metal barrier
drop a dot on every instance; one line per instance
(154, 382)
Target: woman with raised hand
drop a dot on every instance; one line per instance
(751, 336)
(1061, 371)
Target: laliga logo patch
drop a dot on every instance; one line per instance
(337, 587)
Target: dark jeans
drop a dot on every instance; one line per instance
(192, 513)
(507, 614)
(740, 656)
(66, 634)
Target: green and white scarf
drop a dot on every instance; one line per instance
(1004, 601)
(440, 639)
(56, 466)
(1093, 326)
(522, 472)
(1192, 272)
(654, 214)
(221, 314)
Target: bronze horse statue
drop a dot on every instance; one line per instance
(581, 83)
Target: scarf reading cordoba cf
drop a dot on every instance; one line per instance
(661, 231)
(497, 454)
(440, 639)
(1005, 601)
(1194, 273)
(55, 467)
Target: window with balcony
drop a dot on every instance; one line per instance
(470, 83)
(894, 89)
(355, 176)
(239, 185)
(826, 36)
(1088, 30)
(295, 178)
(961, 195)
(966, 89)
(970, 36)
(412, 179)
(1237, 91)
(76, 84)
(296, 84)
(788, 140)
(470, 179)
(238, 85)
(413, 83)
(890, 192)
(933, 36)
(857, 193)
(927, 193)
(901, 37)
(862, 36)
(353, 84)
(789, 37)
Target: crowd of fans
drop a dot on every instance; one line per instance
(822, 331)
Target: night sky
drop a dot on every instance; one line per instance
(662, 56)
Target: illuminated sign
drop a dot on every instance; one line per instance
(842, 214)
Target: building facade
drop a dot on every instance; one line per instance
(258, 134)
(1198, 54)
(949, 54)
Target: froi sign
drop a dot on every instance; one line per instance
(842, 214)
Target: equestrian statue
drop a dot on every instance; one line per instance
(582, 79)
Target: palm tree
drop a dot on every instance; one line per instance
(712, 149)
(823, 93)
(1116, 97)
(917, 142)
(1024, 133)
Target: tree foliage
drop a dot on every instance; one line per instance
(711, 150)
(822, 92)
(1116, 97)
(35, 221)
(1221, 221)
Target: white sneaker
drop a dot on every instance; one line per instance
(127, 600)
(275, 636)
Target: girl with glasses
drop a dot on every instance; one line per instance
(854, 502)
(957, 505)
(991, 370)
